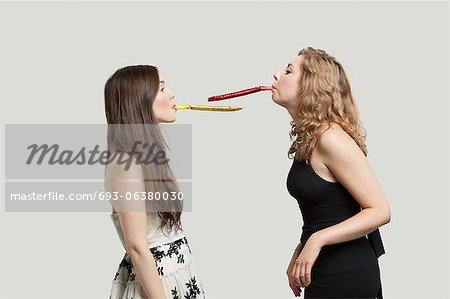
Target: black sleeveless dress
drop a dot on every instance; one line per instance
(345, 270)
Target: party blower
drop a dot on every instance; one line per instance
(238, 93)
(223, 97)
(207, 108)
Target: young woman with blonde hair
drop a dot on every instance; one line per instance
(341, 202)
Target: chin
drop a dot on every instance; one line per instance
(171, 119)
(279, 101)
(276, 100)
(168, 117)
(168, 121)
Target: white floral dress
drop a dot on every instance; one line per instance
(174, 262)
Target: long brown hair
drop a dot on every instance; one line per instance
(324, 97)
(129, 96)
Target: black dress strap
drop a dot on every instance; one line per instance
(376, 242)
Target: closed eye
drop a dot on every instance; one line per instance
(287, 71)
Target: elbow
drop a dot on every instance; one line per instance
(137, 249)
(382, 216)
(386, 218)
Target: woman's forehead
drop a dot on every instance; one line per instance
(297, 60)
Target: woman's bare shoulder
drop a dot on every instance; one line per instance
(334, 138)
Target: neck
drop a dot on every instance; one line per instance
(292, 112)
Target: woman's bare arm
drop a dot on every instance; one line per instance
(346, 161)
(133, 220)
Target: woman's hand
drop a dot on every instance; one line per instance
(305, 261)
(292, 284)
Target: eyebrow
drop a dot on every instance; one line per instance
(289, 65)
(162, 82)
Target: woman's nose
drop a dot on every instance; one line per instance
(275, 76)
(172, 95)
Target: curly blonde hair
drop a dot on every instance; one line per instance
(324, 97)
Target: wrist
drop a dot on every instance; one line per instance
(318, 239)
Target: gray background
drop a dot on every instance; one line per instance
(244, 226)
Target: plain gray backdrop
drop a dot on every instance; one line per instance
(244, 226)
